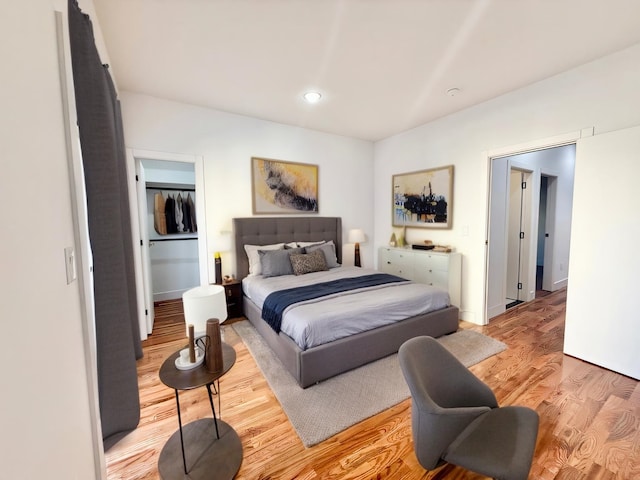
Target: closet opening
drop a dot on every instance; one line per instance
(171, 248)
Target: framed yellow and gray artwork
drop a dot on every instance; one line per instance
(283, 187)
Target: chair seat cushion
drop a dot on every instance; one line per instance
(499, 443)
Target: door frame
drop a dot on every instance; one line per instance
(488, 157)
(550, 219)
(138, 201)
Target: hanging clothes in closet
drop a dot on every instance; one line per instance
(179, 222)
(159, 217)
(186, 217)
(175, 213)
(170, 213)
(192, 213)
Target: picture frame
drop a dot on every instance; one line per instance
(423, 198)
(282, 187)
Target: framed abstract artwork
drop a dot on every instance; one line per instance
(423, 198)
(283, 187)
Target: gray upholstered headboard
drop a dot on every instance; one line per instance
(268, 230)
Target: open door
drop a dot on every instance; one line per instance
(602, 324)
(145, 260)
(518, 237)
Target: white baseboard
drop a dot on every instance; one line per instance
(171, 295)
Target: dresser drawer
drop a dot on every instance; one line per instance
(442, 270)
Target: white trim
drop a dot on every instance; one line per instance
(533, 145)
(135, 156)
(506, 151)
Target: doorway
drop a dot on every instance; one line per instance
(514, 224)
(166, 264)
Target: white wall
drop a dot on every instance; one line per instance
(45, 416)
(227, 142)
(602, 307)
(597, 94)
(45, 406)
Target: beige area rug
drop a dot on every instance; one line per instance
(322, 410)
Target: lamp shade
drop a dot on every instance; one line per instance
(356, 236)
(222, 242)
(201, 304)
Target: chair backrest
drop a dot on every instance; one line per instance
(445, 396)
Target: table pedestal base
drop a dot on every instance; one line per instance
(206, 455)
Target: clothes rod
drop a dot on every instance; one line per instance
(170, 186)
(172, 238)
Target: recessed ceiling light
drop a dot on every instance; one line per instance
(312, 97)
(452, 92)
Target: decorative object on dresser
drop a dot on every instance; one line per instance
(202, 303)
(283, 187)
(439, 269)
(392, 241)
(356, 236)
(423, 198)
(233, 295)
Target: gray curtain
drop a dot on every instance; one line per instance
(104, 163)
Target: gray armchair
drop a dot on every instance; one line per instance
(455, 417)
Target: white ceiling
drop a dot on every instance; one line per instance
(382, 66)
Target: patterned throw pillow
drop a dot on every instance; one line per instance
(329, 251)
(308, 262)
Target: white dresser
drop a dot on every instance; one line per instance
(442, 270)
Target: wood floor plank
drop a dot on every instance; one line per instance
(589, 416)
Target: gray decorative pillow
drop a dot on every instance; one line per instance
(255, 268)
(329, 250)
(276, 262)
(308, 262)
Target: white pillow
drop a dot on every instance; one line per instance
(309, 244)
(255, 268)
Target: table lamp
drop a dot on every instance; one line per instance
(356, 236)
(222, 244)
(203, 303)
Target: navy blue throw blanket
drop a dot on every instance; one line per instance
(276, 302)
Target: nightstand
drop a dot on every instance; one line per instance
(233, 294)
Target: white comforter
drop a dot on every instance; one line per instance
(329, 318)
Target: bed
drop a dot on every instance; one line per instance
(313, 364)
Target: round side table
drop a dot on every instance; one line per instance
(206, 445)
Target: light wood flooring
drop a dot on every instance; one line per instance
(589, 416)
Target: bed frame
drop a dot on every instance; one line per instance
(324, 361)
